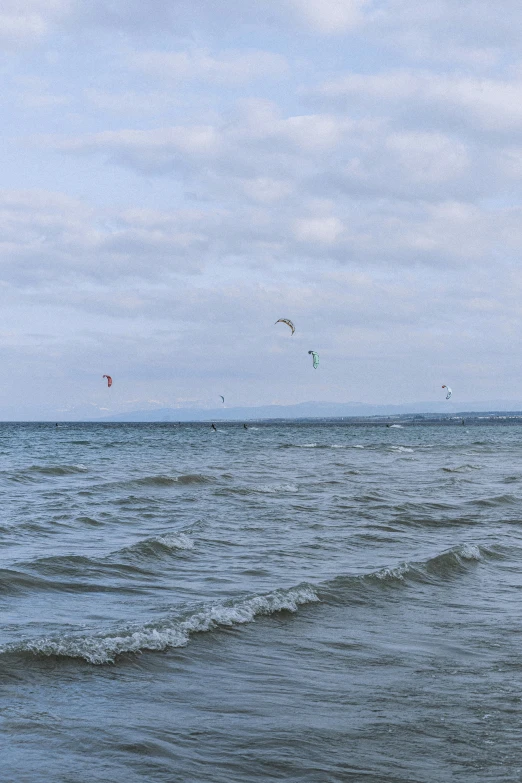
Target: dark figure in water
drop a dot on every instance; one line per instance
(245, 426)
(214, 428)
(56, 424)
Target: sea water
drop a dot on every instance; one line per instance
(293, 601)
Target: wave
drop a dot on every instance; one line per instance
(32, 473)
(168, 481)
(82, 574)
(103, 649)
(439, 568)
(47, 577)
(262, 489)
(47, 573)
(58, 470)
(312, 446)
(160, 545)
(85, 520)
(467, 468)
(299, 446)
(496, 500)
(275, 488)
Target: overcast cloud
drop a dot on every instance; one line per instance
(179, 175)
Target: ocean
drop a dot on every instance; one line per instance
(307, 602)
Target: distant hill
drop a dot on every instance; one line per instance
(308, 410)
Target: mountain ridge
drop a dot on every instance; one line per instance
(313, 410)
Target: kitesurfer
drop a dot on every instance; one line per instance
(214, 427)
(286, 321)
(315, 357)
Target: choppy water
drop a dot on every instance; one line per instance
(298, 602)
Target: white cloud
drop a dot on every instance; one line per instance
(204, 195)
(152, 150)
(428, 157)
(492, 104)
(325, 230)
(258, 139)
(50, 238)
(131, 101)
(267, 190)
(225, 68)
(330, 16)
(25, 21)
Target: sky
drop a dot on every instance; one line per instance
(178, 175)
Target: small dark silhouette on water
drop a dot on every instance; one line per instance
(245, 426)
(214, 427)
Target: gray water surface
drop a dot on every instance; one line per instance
(298, 602)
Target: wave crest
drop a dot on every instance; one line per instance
(168, 481)
(176, 633)
(160, 545)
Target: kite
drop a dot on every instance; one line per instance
(109, 381)
(448, 391)
(286, 321)
(222, 398)
(315, 357)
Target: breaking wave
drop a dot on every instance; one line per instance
(439, 568)
(103, 649)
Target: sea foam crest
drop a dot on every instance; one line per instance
(441, 564)
(275, 488)
(468, 552)
(175, 633)
(175, 541)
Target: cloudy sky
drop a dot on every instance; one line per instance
(179, 174)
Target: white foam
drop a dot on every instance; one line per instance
(176, 633)
(175, 541)
(469, 552)
(274, 488)
(395, 573)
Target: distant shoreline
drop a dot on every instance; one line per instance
(514, 417)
